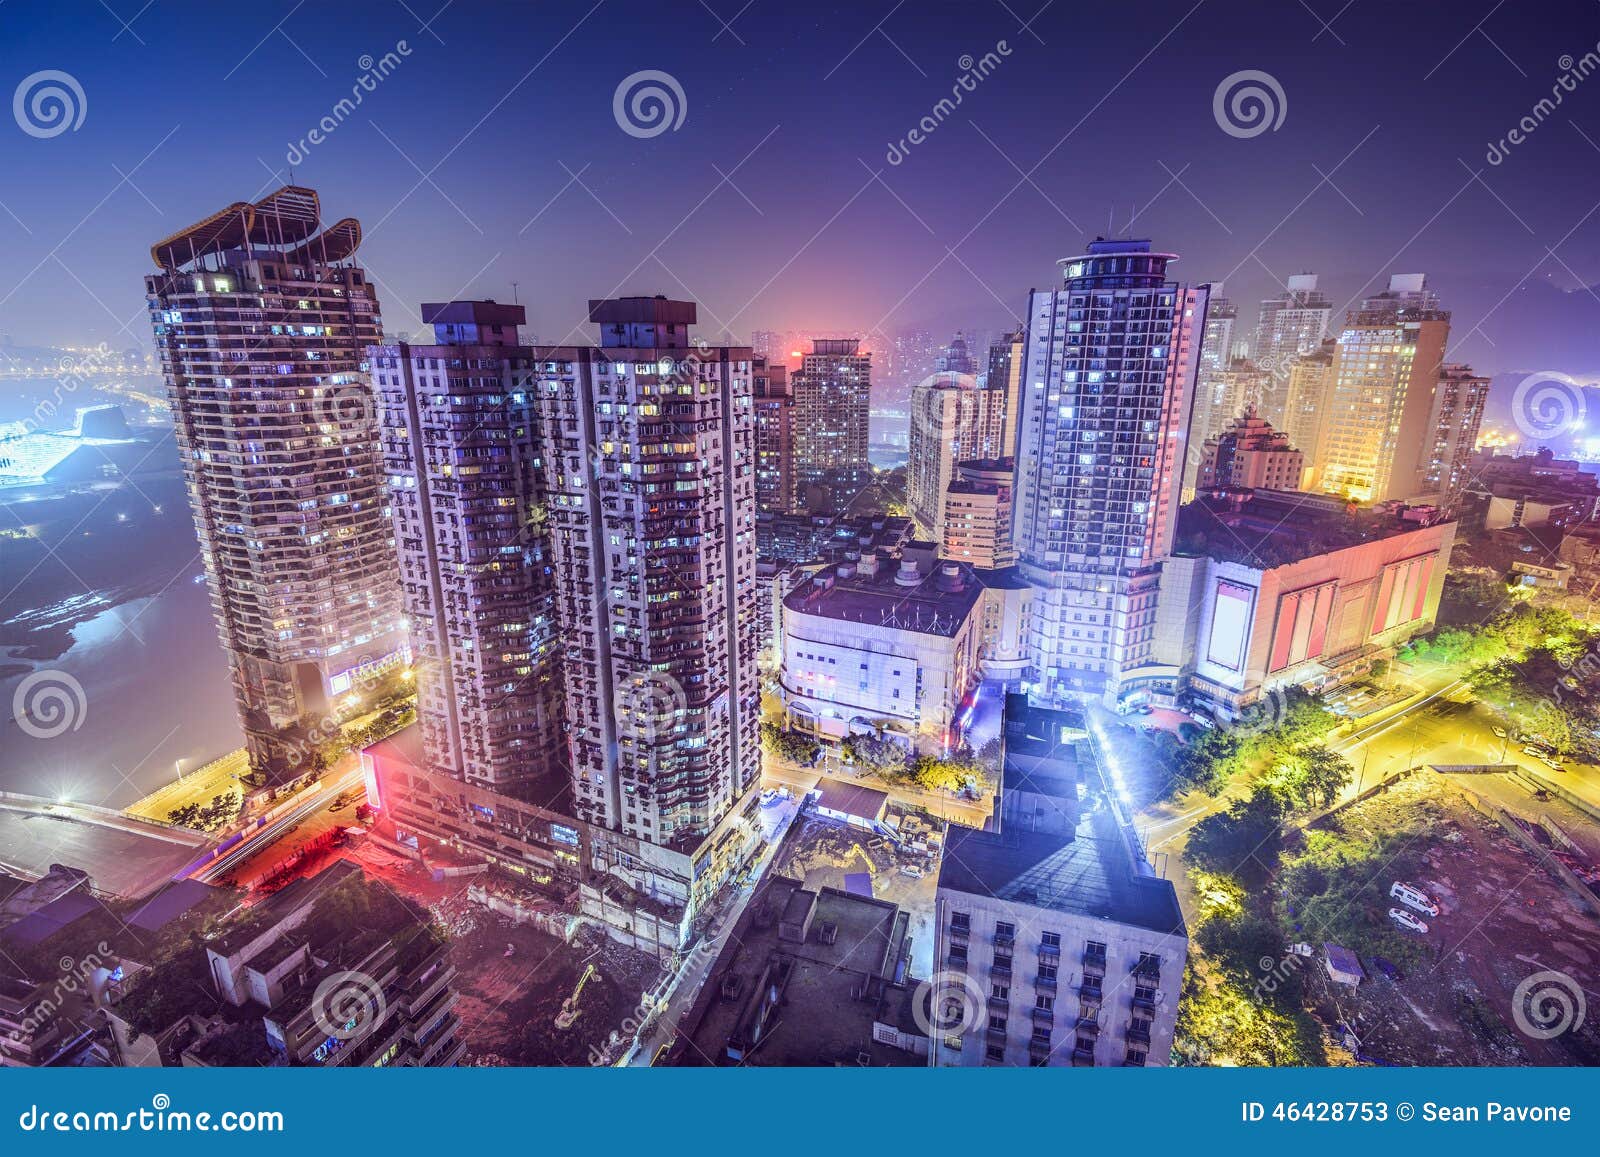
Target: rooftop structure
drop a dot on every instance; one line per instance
(1057, 917)
(807, 978)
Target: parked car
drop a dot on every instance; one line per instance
(913, 871)
(1413, 898)
(1552, 763)
(1406, 920)
(1537, 750)
(1499, 732)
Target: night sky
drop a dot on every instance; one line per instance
(1093, 110)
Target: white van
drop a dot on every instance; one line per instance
(1413, 898)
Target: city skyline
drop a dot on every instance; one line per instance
(1337, 187)
(673, 536)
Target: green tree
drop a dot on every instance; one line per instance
(1315, 775)
(1245, 834)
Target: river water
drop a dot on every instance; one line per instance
(156, 689)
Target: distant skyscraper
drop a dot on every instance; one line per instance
(1006, 357)
(831, 397)
(1305, 404)
(1376, 442)
(1216, 346)
(956, 358)
(952, 420)
(1291, 324)
(1223, 394)
(1459, 397)
(261, 320)
(1107, 393)
(651, 479)
(774, 406)
(465, 462)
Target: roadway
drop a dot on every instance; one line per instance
(305, 805)
(1439, 724)
(691, 976)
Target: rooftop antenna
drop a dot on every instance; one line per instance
(1111, 227)
(514, 300)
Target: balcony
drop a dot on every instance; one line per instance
(1144, 998)
(995, 1032)
(1148, 969)
(1049, 949)
(1094, 961)
(1047, 983)
(1005, 939)
(1139, 1031)
(999, 1004)
(1044, 1015)
(1090, 993)
(1001, 969)
(960, 931)
(1082, 1056)
(956, 960)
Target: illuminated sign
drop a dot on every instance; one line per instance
(1230, 624)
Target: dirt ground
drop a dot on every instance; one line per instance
(821, 852)
(1503, 918)
(509, 1006)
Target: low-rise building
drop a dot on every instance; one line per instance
(808, 978)
(1055, 941)
(1273, 589)
(1505, 490)
(334, 971)
(642, 894)
(882, 647)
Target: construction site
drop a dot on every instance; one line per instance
(1498, 972)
